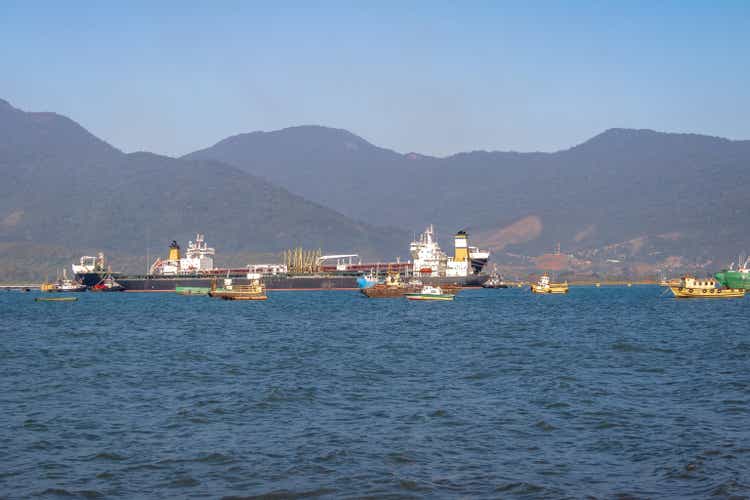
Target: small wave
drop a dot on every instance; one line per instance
(216, 458)
(61, 492)
(545, 426)
(114, 457)
(410, 485)
(400, 458)
(626, 347)
(184, 482)
(284, 494)
(34, 426)
(519, 488)
(730, 488)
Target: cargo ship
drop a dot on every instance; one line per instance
(91, 270)
(301, 270)
(433, 267)
(735, 278)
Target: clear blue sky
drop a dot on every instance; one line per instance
(430, 77)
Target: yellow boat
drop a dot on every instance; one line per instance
(691, 287)
(545, 286)
(254, 291)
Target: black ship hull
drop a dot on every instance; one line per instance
(273, 282)
(94, 277)
(169, 284)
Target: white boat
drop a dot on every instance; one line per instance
(430, 293)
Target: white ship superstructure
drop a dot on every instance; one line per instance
(430, 261)
(89, 264)
(198, 257)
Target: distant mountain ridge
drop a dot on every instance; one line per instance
(620, 185)
(625, 194)
(65, 188)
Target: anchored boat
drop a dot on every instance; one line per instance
(391, 287)
(495, 281)
(107, 284)
(704, 288)
(254, 291)
(544, 285)
(430, 293)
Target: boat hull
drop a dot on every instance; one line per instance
(276, 283)
(93, 278)
(552, 289)
(713, 293)
(420, 296)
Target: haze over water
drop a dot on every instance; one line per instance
(603, 392)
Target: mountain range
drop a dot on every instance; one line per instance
(65, 188)
(624, 194)
(632, 195)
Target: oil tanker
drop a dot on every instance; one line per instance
(301, 270)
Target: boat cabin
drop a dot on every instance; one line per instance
(697, 283)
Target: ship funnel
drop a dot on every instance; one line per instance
(174, 251)
(462, 247)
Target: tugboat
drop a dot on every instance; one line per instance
(430, 293)
(107, 284)
(63, 284)
(494, 281)
(692, 287)
(254, 291)
(545, 286)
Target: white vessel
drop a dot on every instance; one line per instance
(430, 261)
(198, 257)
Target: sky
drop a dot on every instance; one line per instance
(431, 77)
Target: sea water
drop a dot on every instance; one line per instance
(604, 392)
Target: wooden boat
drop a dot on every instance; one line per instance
(691, 287)
(430, 293)
(545, 286)
(55, 299)
(391, 287)
(254, 291)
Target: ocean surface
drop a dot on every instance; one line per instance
(609, 392)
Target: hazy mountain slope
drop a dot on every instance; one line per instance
(65, 188)
(620, 185)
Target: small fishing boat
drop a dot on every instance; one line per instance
(254, 291)
(392, 286)
(55, 299)
(544, 285)
(430, 293)
(63, 284)
(703, 288)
